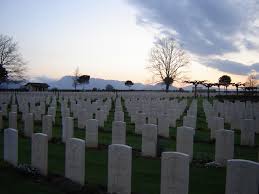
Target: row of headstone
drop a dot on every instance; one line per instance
(247, 126)
(242, 175)
(119, 163)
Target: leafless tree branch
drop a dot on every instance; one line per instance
(11, 59)
(167, 61)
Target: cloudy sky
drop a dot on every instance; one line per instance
(112, 39)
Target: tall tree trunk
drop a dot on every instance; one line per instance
(167, 87)
(195, 91)
(208, 93)
(237, 90)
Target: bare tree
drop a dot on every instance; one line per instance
(11, 60)
(251, 83)
(76, 78)
(251, 80)
(167, 61)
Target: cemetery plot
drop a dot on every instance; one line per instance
(152, 129)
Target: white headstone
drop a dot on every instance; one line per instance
(189, 121)
(119, 169)
(11, 146)
(91, 133)
(47, 125)
(13, 120)
(163, 126)
(1, 120)
(100, 117)
(217, 123)
(184, 140)
(140, 122)
(28, 124)
(118, 132)
(83, 116)
(247, 132)
(224, 146)
(39, 152)
(75, 160)
(68, 128)
(174, 173)
(149, 140)
(242, 177)
(119, 116)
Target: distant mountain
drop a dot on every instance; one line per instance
(66, 82)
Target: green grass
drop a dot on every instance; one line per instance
(145, 171)
(16, 183)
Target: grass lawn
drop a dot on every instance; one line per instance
(145, 171)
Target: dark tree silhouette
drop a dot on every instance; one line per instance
(167, 61)
(195, 83)
(75, 78)
(237, 85)
(83, 79)
(129, 83)
(109, 87)
(218, 85)
(208, 86)
(11, 60)
(225, 80)
(3, 74)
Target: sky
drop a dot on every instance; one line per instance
(112, 39)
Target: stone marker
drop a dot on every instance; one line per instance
(13, 120)
(217, 123)
(184, 140)
(149, 140)
(91, 133)
(47, 125)
(28, 124)
(189, 121)
(100, 117)
(68, 128)
(140, 122)
(247, 132)
(163, 126)
(174, 173)
(83, 116)
(14, 108)
(119, 116)
(242, 177)
(119, 169)
(39, 152)
(224, 146)
(118, 132)
(152, 119)
(11, 146)
(75, 160)
(1, 120)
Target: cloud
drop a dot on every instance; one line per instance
(232, 66)
(204, 27)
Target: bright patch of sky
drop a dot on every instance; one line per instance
(112, 39)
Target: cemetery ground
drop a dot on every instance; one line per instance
(204, 179)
